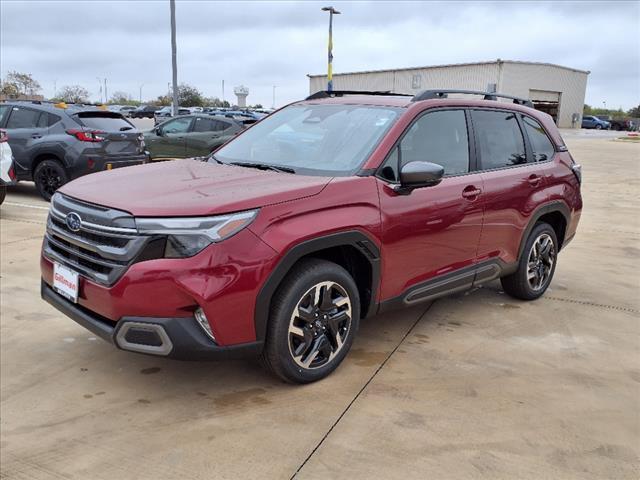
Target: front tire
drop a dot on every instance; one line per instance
(314, 317)
(598, 127)
(536, 266)
(3, 193)
(49, 176)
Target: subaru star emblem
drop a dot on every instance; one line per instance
(73, 221)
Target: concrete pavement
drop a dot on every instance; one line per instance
(474, 386)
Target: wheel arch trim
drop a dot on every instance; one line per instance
(551, 207)
(353, 238)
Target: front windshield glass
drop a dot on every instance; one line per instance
(313, 139)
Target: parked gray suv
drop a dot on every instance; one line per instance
(55, 143)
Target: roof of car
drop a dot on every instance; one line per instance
(69, 108)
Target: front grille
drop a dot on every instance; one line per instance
(104, 246)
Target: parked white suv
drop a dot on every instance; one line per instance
(7, 174)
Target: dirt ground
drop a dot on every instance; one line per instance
(473, 386)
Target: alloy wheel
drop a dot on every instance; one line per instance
(50, 180)
(540, 262)
(319, 325)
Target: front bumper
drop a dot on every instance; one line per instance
(178, 338)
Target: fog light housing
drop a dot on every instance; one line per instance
(201, 318)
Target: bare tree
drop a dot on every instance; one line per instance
(24, 83)
(73, 94)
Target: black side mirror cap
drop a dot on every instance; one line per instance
(419, 175)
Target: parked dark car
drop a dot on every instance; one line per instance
(165, 113)
(190, 136)
(590, 121)
(55, 143)
(144, 111)
(621, 124)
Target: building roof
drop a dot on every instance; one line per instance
(490, 62)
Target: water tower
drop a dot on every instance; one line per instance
(241, 92)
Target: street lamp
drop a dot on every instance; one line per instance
(332, 11)
(141, 92)
(273, 105)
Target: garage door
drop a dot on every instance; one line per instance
(546, 101)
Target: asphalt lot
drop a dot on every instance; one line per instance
(473, 386)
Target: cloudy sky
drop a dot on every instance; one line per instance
(263, 43)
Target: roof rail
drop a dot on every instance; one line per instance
(434, 94)
(341, 93)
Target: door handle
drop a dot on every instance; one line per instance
(36, 135)
(471, 192)
(534, 180)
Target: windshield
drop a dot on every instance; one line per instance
(313, 139)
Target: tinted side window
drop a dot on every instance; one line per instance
(4, 110)
(438, 137)
(540, 143)
(179, 125)
(52, 119)
(500, 139)
(208, 125)
(23, 118)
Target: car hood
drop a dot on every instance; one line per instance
(190, 188)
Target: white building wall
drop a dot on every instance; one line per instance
(520, 78)
(511, 78)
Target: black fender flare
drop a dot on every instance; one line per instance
(354, 238)
(554, 206)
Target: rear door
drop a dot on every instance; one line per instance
(514, 184)
(122, 139)
(205, 135)
(26, 127)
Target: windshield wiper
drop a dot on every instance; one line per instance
(213, 157)
(264, 166)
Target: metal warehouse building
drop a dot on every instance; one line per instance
(554, 89)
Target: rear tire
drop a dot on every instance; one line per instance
(313, 320)
(49, 176)
(598, 127)
(536, 266)
(3, 193)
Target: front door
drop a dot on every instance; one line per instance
(431, 234)
(171, 143)
(25, 128)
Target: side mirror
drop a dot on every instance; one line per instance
(419, 175)
(158, 131)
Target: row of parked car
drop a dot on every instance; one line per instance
(608, 123)
(52, 144)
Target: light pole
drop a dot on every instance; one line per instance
(273, 105)
(100, 87)
(174, 62)
(332, 11)
(604, 102)
(141, 92)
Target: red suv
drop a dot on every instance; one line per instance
(328, 211)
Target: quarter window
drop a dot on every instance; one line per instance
(23, 118)
(500, 139)
(540, 143)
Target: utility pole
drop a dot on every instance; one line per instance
(223, 92)
(141, 92)
(273, 105)
(55, 90)
(99, 87)
(106, 97)
(174, 61)
(332, 11)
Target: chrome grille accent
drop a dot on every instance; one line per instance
(104, 247)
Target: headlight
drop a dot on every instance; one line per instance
(187, 236)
